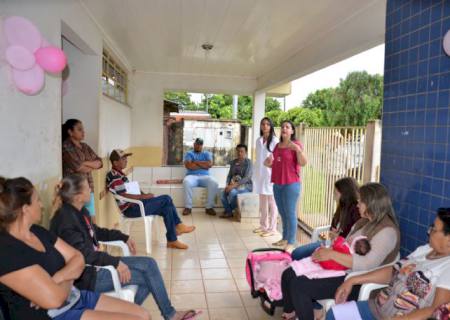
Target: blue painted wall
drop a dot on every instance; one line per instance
(415, 161)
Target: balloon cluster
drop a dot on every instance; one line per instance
(29, 55)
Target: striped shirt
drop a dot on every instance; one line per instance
(115, 181)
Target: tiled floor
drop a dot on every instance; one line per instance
(210, 275)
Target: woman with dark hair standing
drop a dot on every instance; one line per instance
(262, 184)
(286, 160)
(345, 216)
(78, 157)
(37, 269)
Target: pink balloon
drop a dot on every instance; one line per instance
(51, 59)
(29, 81)
(21, 32)
(19, 58)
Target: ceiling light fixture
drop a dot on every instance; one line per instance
(207, 46)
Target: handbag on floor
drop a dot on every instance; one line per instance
(264, 268)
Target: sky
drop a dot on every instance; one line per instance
(371, 61)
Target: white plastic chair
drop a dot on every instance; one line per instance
(317, 231)
(126, 293)
(125, 222)
(366, 289)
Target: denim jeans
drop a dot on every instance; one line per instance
(161, 206)
(145, 274)
(363, 308)
(305, 250)
(286, 196)
(208, 182)
(229, 200)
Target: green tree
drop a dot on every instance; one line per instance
(180, 97)
(320, 99)
(357, 99)
(312, 117)
(275, 116)
(219, 106)
(245, 110)
(272, 104)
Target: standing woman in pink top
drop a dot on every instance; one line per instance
(286, 160)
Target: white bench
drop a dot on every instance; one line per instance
(147, 177)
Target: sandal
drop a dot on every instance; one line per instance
(289, 316)
(191, 314)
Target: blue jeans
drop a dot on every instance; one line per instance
(145, 274)
(192, 181)
(286, 196)
(363, 308)
(229, 200)
(305, 250)
(161, 206)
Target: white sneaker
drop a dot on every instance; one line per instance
(289, 248)
(267, 234)
(280, 243)
(258, 230)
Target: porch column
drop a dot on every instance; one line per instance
(259, 106)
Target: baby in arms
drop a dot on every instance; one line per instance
(330, 268)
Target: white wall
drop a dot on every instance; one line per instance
(115, 126)
(82, 97)
(30, 126)
(148, 94)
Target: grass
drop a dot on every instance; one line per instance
(313, 209)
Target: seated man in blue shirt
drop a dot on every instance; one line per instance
(197, 163)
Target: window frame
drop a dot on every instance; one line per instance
(111, 70)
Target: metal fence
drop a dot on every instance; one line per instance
(333, 153)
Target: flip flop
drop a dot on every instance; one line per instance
(288, 316)
(191, 314)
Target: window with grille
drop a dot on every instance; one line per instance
(114, 79)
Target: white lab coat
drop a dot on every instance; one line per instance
(262, 174)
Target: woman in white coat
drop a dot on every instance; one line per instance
(261, 179)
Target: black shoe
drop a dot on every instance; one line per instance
(226, 216)
(210, 211)
(187, 211)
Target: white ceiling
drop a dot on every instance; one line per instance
(251, 38)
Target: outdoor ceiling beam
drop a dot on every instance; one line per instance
(364, 29)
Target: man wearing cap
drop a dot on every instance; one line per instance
(161, 205)
(197, 163)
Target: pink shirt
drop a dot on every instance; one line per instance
(285, 168)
